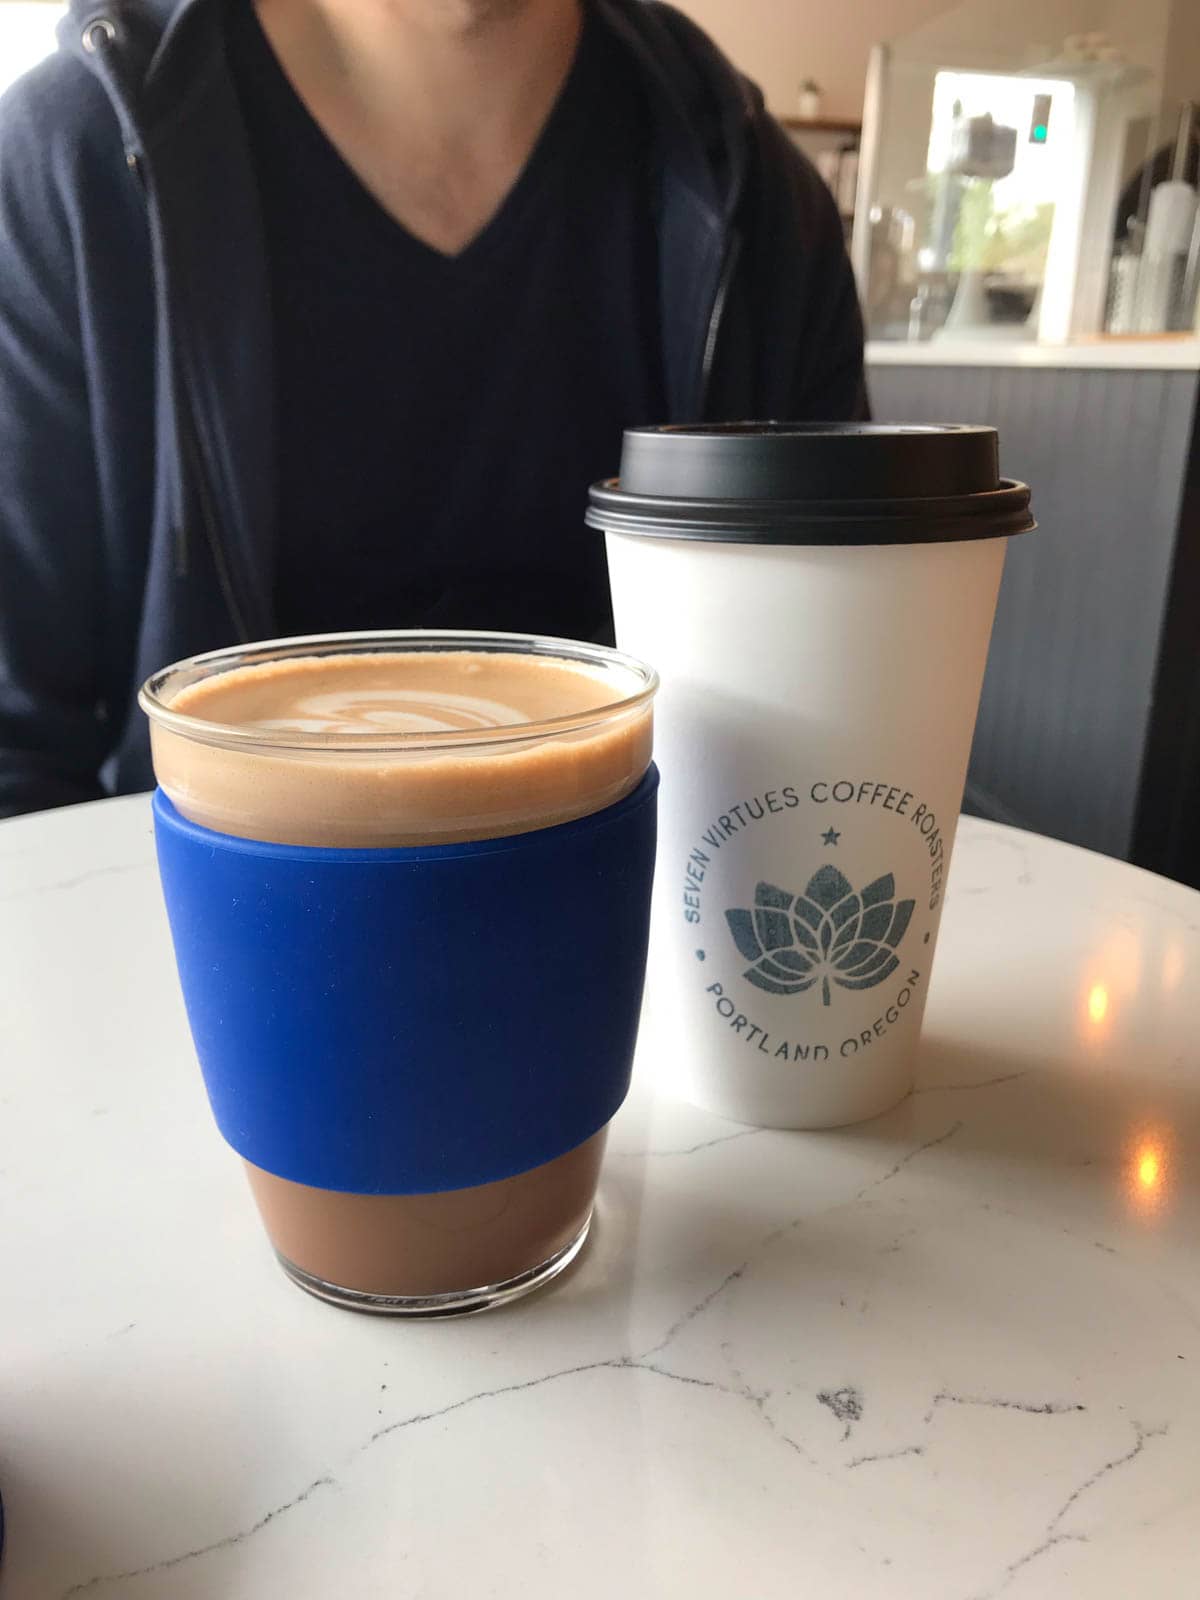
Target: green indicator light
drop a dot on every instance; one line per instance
(1039, 133)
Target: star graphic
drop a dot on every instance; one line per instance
(830, 837)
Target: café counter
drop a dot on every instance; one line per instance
(1089, 727)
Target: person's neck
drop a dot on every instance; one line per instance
(454, 92)
(453, 63)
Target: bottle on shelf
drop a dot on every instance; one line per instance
(1170, 223)
(809, 108)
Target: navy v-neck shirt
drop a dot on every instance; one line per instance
(438, 419)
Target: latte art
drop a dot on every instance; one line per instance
(392, 711)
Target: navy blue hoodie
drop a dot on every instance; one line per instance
(137, 507)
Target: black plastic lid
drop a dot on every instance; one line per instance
(812, 483)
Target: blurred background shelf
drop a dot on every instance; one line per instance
(822, 125)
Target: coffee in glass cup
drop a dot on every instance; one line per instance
(408, 880)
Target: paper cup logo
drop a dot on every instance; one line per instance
(828, 934)
(829, 970)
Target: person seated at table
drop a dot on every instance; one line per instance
(322, 314)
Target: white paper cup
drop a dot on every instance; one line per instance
(818, 602)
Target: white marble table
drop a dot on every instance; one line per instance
(951, 1354)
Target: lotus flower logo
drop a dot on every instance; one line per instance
(828, 934)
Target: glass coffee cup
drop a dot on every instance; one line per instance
(408, 879)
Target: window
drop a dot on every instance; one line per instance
(26, 35)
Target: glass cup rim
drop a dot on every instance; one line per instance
(397, 641)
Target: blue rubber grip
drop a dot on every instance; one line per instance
(412, 1021)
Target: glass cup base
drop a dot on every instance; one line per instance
(456, 1303)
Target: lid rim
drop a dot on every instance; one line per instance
(1002, 512)
(163, 715)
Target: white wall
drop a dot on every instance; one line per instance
(780, 42)
(1182, 74)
